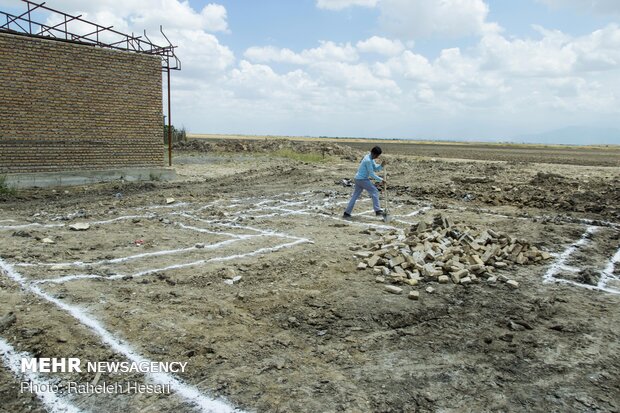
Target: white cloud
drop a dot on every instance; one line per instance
(201, 53)
(411, 66)
(343, 4)
(273, 54)
(214, 18)
(327, 52)
(550, 56)
(380, 45)
(354, 77)
(410, 19)
(256, 81)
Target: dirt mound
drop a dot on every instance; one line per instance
(269, 145)
(545, 179)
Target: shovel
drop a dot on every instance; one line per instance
(386, 212)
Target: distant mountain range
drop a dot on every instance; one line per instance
(573, 135)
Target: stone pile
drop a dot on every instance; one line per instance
(446, 252)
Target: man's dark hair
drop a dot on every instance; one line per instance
(376, 151)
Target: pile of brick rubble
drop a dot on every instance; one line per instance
(445, 252)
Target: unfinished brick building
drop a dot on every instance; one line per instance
(71, 102)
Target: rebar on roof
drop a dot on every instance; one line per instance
(95, 33)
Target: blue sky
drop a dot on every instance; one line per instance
(422, 69)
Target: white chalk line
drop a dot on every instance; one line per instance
(186, 391)
(208, 231)
(53, 402)
(608, 271)
(103, 222)
(561, 261)
(245, 227)
(560, 264)
(137, 256)
(33, 224)
(172, 205)
(219, 259)
(74, 277)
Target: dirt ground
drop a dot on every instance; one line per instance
(303, 330)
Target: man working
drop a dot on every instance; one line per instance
(367, 170)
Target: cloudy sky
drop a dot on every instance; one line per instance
(420, 69)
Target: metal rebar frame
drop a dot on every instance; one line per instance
(24, 24)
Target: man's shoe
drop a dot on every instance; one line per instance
(346, 216)
(379, 213)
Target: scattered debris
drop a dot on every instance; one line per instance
(345, 182)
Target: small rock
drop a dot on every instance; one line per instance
(443, 279)
(199, 245)
(372, 261)
(30, 332)
(7, 321)
(47, 241)
(234, 280)
(22, 234)
(362, 266)
(79, 226)
(170, 201)
(393, 289)
(379, 279)
(512, 284)
(414, 295)
(430, 290)
(465, 280)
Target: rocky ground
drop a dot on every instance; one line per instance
(243, 269)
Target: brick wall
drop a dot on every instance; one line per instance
(66, 106)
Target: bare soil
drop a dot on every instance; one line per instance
(303, 330)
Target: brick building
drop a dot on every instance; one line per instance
(75, 106)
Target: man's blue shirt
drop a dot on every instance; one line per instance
(367, 169)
